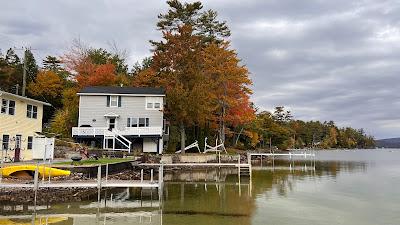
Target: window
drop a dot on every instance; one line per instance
(8, 107)
(132, 122)
(11, 107)
(30, 142)
(4, 106)
(154, 103)
(113, 101)
(6, 140)
(142, 122)
(31, 111)
(138, 122)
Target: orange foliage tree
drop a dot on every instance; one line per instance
(230, 86)
(47, 84)
(97, 75)
(177, 67)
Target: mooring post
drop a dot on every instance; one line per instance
(36, 182)
(98, 182)
(141, 175)
(151, 175)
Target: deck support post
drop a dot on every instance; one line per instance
(106, 172)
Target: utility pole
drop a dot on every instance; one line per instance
(24, 74)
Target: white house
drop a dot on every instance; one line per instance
(122, 118)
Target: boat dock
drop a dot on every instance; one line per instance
(289, 154)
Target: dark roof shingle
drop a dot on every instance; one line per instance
(122, 90)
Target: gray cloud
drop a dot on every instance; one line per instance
(325, 60)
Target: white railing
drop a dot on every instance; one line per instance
(88, 131)
(100, 131)
(141, 131)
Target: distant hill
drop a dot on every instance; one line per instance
(388, 143)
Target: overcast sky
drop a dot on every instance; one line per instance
(324, 60)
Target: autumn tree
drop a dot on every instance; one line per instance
(229, 90)
(95, 67)
(178, 68)
(48, 85)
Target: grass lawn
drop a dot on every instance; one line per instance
(94, 162)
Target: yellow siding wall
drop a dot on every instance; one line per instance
(20, 124)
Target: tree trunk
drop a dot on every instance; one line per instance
(237, 139)
(183, 137)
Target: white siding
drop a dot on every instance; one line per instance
(93, 108)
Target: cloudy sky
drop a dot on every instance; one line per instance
(324, 60)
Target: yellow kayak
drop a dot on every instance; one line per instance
(30, 169)
(38, 221)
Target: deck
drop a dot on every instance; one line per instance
(128, 131)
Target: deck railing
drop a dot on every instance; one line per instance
(100, 131)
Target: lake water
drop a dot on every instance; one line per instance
(347, 187)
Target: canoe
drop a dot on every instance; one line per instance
(43, 171)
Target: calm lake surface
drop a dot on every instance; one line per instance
(346, 187)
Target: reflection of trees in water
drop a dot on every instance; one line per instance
(283, 181)
(217, 202)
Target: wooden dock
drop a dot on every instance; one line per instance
(82, 184)
(235, 165)
(290, 155)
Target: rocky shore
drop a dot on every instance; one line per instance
(44, 195)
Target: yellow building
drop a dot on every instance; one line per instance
(20, 119)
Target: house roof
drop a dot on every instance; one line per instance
(103, 90)
(23, 98)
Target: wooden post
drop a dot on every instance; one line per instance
(36, 181)
(141, 175)
(98, 182)
(151, 176)
(49, 173)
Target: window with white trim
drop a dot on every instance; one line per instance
(31, 111)
(154, 103)
(113, 101)
(138, 122)
(132, 122)
(8, 107)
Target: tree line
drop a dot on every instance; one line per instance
(207, 86)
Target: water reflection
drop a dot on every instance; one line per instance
(213, 196)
